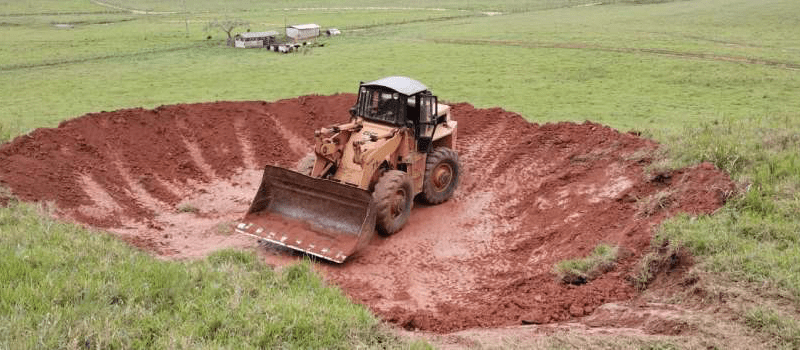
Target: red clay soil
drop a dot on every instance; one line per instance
(174, 179)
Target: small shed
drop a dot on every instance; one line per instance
(254, 39)
(302, 32)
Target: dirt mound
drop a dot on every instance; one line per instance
(173, 180)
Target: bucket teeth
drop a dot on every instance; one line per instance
(319, 250)
(317, 216)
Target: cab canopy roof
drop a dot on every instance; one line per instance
(403, 85)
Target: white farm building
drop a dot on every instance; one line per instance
(254, 39)
(302, 32)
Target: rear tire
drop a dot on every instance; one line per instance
(393, 200)
(305, 165)
(442, 171)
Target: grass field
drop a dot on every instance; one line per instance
(712, 80)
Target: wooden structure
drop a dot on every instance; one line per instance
(254, 39)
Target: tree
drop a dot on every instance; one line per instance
(226, 25)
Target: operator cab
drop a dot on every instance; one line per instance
(402, 102)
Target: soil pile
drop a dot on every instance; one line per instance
(173, 180)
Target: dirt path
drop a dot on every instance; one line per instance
(13, 67)
(654, 51)
(134, 11)
(174, 179)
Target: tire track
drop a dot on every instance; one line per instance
(135, 11)
(660, 52)
(14, 67)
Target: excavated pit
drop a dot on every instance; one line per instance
(174, 179)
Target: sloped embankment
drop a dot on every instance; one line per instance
(172, 180)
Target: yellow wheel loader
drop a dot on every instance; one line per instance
(363, 175)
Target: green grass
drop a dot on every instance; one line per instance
(711, 80)
(581, 270)
(754, 238)
(249, 5)
(724, 27)
(16, 8)
(662, 257)
(545, 85)
(6, 133)
(64, 287)
(785, 331)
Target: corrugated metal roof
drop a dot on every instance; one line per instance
(403, 85)
(306, 26)
(258, 34)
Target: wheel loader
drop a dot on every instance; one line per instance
(363, 175)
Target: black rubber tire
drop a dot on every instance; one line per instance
(305, 165)
(393, 201)
(442, 172)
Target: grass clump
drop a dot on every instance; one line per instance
(582, 270)
(655, 203)
(188, 208)
(5, 196)
(7, 132)
(64, 287)
(783, 331)
(663, 257)
(226, 227)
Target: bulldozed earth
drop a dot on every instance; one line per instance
(173, 181)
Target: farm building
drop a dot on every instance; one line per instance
(254, 39)
(302, 32)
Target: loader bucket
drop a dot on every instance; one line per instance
(319, 217)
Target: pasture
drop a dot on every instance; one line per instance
(710, 80)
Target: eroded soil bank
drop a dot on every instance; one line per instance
(174, 179)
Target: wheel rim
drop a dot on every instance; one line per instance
(442, 177)
(399, 203)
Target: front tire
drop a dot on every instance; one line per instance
(393, 200)
(442, 170)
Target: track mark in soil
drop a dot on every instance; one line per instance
(144, 188)
(297, 144)
(248, 155)
(537, 195)
(197, 157)
(103, 208)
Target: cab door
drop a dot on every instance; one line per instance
(427, 122)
